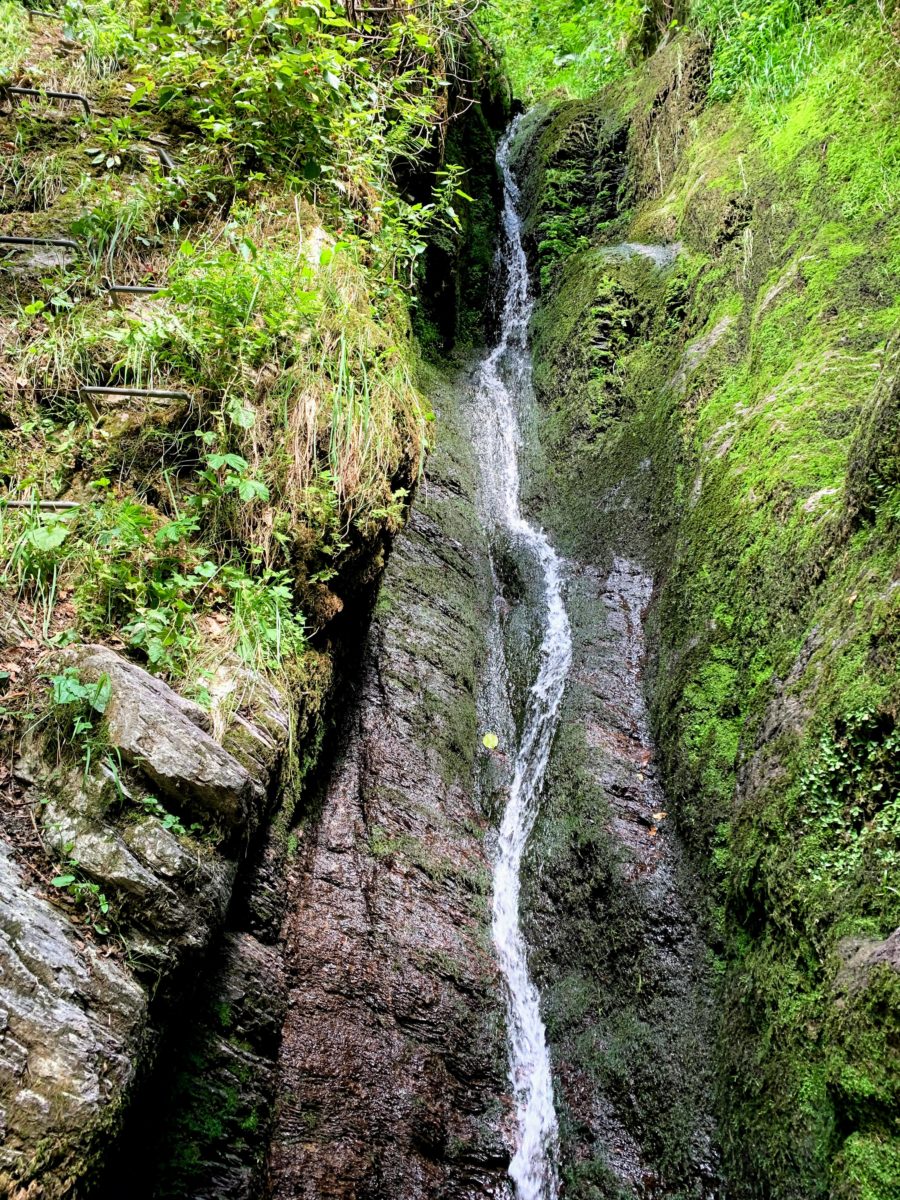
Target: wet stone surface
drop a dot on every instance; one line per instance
(610, 916)
(87, 994)
(393, 1061)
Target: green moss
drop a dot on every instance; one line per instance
(224, 1015)
(868, 1168)
(757, 379)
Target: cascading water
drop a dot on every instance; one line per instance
(503, 379)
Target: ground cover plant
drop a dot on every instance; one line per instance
(244, 162)
(203, 471)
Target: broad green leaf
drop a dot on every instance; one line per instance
(101, 693)
(48, 537)
(240, 415)
(252, 489)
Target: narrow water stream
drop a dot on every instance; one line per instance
(502, 383)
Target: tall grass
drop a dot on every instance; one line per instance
(15, 38)
(216, 519)
(558, 46)
(296, 360)
(764, 50)
(35, 181)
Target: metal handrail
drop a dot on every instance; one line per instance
(67, 243)
(74, 97)
(128, 289)
(48, 505)
(150, 393)
(166, 161)
(168, 164)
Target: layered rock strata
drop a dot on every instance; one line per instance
(150, 836)
(393, 1060)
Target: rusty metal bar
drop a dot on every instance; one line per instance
(74, 97)
(127, 289)
(44, 505)
(165, 158)
(150, 393)
(66, 243)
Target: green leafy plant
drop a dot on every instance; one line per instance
(85, 892)
(168, 820)
(556, 44)
(230, 473)
(78, 709)
(267, 629)
(115, 139)
(850, 800)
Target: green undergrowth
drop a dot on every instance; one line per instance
(754, 381)
(241, 510)
(573, 48)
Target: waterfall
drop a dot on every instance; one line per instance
(502, 382)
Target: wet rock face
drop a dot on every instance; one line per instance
(81, 1021)
(204, 1132)
(609, 906)
(609, 912)
(393, 1062)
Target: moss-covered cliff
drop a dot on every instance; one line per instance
(741, 387)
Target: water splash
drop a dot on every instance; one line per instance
(503, 380)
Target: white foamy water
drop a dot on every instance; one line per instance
(503, 380)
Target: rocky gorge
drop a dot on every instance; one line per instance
(564, 867)
(355, 1019)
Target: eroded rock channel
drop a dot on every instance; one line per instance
(392, 1064)
(393, 1071)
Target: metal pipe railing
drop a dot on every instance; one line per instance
(73, 97)
(128, 289)
(66, 243)
(165, 158)
(44, 505)
(149, 393)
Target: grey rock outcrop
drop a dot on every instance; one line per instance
(72, 1025)
(861, 956)
(79, 1016)
(167, 738)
